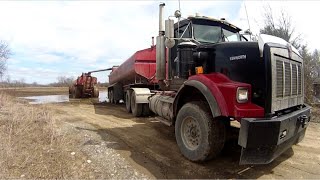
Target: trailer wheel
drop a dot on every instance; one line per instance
(136, 109)
(198, 135)
(95, 91)
(128, 101)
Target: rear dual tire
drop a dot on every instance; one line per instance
(128, 101)
(137, 109)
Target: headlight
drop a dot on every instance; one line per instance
(242, 94)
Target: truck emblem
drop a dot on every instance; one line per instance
(233, 58)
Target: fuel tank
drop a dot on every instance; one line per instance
(139, 68)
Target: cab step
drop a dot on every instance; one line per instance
(164, 121)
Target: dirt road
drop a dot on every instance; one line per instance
(150, 146)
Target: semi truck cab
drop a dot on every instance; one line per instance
(208, 75)
(214, 76)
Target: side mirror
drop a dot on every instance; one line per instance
(169, 33)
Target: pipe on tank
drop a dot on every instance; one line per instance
(160, 50)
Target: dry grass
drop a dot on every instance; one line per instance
(32, 146)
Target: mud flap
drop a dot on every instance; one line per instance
(142, 95)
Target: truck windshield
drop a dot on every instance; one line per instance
(213, 34)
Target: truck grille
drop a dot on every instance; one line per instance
(286, 79)
(288, 76)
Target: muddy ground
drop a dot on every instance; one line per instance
(146, 148)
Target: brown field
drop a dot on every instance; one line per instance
(88, 139)
(35, 91)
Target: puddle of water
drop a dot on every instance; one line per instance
(47, 99)
(103, 96)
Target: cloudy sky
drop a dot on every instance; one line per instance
(56, 38)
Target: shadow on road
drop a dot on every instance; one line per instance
(152, 145)
(105, 108)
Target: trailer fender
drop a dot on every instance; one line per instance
(204, 90)
(142, 95)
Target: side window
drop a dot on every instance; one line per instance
(187, 33)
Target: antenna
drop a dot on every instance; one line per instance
(245, 7)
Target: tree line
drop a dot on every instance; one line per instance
(62, 81)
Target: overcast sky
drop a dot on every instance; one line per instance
(55, 38)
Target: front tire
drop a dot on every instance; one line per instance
(199, 136)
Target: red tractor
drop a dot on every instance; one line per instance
(84, 86)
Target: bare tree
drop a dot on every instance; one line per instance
(282, 27)
(63, 81)
(4, 55)
(316, 58)
(309, 73)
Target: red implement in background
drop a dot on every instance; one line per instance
(84, 86)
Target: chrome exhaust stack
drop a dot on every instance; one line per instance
(160, 48)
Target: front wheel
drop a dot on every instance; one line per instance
(199, 136)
